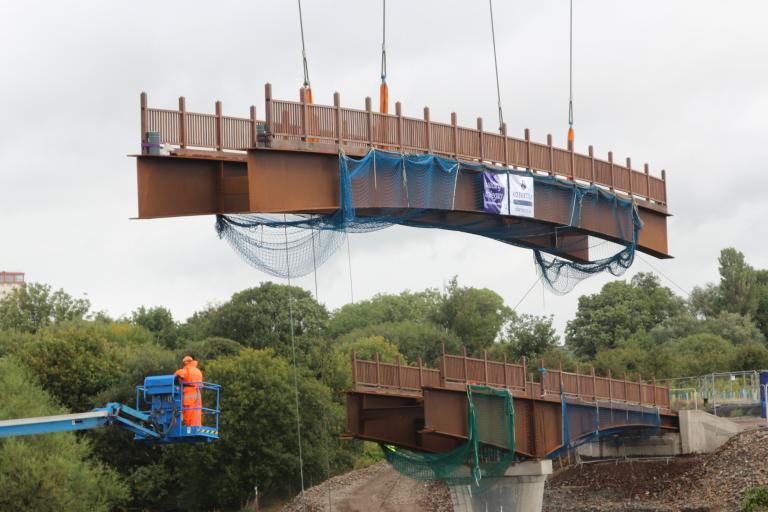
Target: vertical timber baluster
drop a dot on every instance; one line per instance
(427, 130)
(610, 161)
(524, 362)
(182, 122)
(378, 369)
(354, 369)
(455, 131)
(504, 362)
(399, 114)
(592, 163)
(505, 140)
(480, 138)
(610, 385)
(369, 114)
(442, 365)
(399, 377)
(143, 107)
(421, 372)
(629, 173)
(464, 360)
(303, 101)
(485, 367)
(664, 180)
(254, 131)
(551, 169)
(594, 382)
(647, 170)
(219, 128)
(528, 148)
(578, 379)
(268, 112)
(337, 117)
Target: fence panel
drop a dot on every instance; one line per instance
(201, 130)
(414, 134)
(442, 138)
(165, 122)
(236, 133)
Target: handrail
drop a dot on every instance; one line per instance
(461, 369)
(290, 123)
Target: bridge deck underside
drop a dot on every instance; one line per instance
(436, 421)
(280, 181)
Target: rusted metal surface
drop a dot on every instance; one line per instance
(329, 128)
(426, 409)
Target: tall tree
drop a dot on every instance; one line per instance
(738, 290)
(159, 321)
(33, 306)
(416, 307)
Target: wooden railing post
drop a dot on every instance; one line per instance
(629, 168)
(303, 101)
(485, 367)
(268, 111)
(369, 114)
(640, 388)
(626, 391)
(610, 385)
(647, 170)
(551, 154)
(337, 117)
(543, 375)
(421, 372)
(182, 122)
(560, 372)
(594, 382)
(427, 130)
(524, 363)
(455, 131)
(143, 107)
(504, 361)
(354, 369)
(399, 378)
(254, 131)
(506, 143)
(464, 360)
(653, 381)
(442, 364)
(527, 135)
(480, 138)
(399, 114)
(219, 127)
(378, 368)
(664, 180)
(570, 149)
(592, 163)
(610, 161)
(578, 379)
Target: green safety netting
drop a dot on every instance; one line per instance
(487, 453)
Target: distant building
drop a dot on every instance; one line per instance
(9, 281)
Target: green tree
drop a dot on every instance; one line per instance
(33, 306)
(527, 335)
(159, 321)
(475, 315)
(260, 318)
(750, 356)
(339, 368)
(738, 289)
(699, 354)
(211, 348)
(48, 472)
(621, 311)
(407, 306)
(258, 444)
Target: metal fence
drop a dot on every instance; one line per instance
(306, 124)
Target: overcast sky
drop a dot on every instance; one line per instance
(682, 85)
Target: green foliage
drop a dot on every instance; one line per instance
(52, 472)
(259, 318)
(755, 499)
(620, 312)
(526, 335)
(412, 339)
(33, 306)
(210, 348)
(475, 315)
(338, 374)
(258, 444)
(750, 356)
(417, 307)
(699, 354)
(159, 321)
(738, 290)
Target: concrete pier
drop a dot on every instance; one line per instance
(521, 489)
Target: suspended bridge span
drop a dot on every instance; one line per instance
(426, 409)
(201, 164)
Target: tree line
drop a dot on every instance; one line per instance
(56, 355)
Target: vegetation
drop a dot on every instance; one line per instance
(57, 355)
(755, 499)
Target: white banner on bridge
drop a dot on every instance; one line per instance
(520, 195)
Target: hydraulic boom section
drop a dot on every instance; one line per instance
(157, 418)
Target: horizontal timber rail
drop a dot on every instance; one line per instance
(300, 124)
(455, 371)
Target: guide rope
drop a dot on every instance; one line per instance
(303, 49)
(295, 368)
(383, 89)
(496, 67)
(571, 133)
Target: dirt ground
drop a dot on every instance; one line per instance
(377, 488)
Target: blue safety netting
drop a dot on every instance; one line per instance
(383, 189)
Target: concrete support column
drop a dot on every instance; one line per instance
(521, 489)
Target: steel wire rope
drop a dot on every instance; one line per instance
(295, 368)
(303, 48)
(571, 133)
(322, 369)
(496, 66)
(383, 41)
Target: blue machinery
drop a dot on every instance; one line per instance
(157, 419)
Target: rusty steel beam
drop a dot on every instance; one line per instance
(282, 181)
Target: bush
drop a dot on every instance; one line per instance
(755, 499)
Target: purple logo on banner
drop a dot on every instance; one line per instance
(493, 191)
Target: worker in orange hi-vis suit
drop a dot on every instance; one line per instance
(191, 401)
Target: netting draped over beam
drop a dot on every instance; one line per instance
(384, 189)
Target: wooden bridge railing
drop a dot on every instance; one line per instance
(461, 369)
(305, 123)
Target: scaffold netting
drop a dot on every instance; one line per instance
(383, 189)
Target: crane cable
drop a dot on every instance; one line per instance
(383, 89)
(571, 133)
(307, 86)
(496, 66)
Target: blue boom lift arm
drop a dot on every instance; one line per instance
(158, 418)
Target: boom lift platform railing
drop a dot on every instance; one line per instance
(157, 418)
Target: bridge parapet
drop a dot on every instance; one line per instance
(456, 371)
(328, 128)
